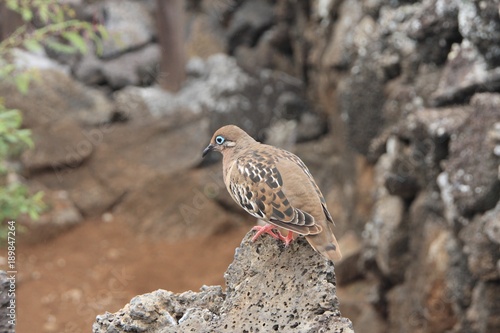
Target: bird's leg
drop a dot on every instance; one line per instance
(267, 229)
(288, 239)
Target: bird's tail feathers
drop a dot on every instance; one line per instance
(326, 244)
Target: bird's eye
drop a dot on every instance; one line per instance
(220, 139)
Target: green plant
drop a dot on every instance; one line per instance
(46, 24)
(14, 197)
(59, 31)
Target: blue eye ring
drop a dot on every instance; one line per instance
(220, 139)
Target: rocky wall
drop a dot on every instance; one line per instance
(412, 88)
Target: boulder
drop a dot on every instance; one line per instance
(129, 24)
(423, 302)
(218, 87)
(482, 316)
(205, 37)
(481, 244)
(465, 73)
(60, 215)
(480, 23)
(269, 288)
(123, 161)
(434, 23)
(137, 67)
(472, 184)
(57, 109)
(181, 205)
(248, 23)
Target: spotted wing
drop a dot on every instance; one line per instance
(294, 158)
(257, 186)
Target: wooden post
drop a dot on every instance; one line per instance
(170, 23)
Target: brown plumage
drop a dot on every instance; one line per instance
(275, 185)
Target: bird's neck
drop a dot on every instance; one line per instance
(231, 155)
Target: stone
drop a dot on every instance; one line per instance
(434, 23)
(205, 38)
(122, 162)
(60, 143)
(348, 269)
(56, 110)
(249, 21)
(340, 50)
(479, 22)
(129, 25)
(482, 316)
(424, 297)
(137, 67)
(492, 224)
(385, 235)
(218, 86)
(442, 122)
(60, 215)
(28, 60)
(5, 319)
(472, 184)
(271, 52)
(357, 307)
(361, 108)
(392, 238)
(197, 195)
(55, 95)
(218, 11)
(482, 252)
(269, 288)
(465, 73)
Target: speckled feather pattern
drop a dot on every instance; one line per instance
(274, 185)
(256, 184)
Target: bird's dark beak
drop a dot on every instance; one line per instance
(207, 150)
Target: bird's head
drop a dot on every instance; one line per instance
(226, 138)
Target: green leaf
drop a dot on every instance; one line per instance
(6, 70)
(76, 40)
(60, 47)
(43, 12)
(11, 118)
(24, 135)
(58, 15)
(13, 5)
(10, 138)
(32, 45)
(22, 82)
(26, 14)
(103, 31)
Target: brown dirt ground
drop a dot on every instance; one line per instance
(99, 266)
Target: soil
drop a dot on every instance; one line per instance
(99, 266)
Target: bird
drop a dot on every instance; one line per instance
(274, 185)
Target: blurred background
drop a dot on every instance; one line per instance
(393, 105)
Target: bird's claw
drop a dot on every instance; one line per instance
(268, 229)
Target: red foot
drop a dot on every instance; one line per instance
(267, 229)
(288, 239)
